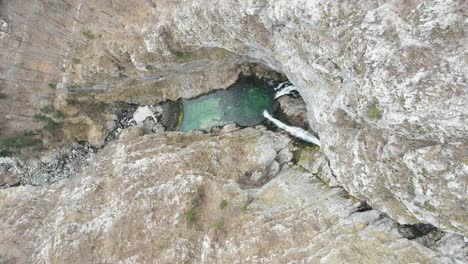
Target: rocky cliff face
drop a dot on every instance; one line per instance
(184, 198)
(384, 85)
(384, 82)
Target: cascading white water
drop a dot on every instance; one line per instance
(284, 88)
(294, 131)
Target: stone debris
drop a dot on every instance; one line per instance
(62, 165)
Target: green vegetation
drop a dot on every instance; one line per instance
(5, 153)
(219, 224)
(182, 55)
(76, 61)
(375, 113)
(58, 114)
(401, 100)
(10, 143)
(50, 110)
(88, 34)
(180, 119)
(49, 123)
(223, 204)
(49, 116)
(52, 85)
(3, 96)
(191, 214)
(47, 109)
(245, 208)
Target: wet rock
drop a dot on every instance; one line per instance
(293, 111)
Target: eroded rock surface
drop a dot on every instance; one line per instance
(159, 198)
(384, 82)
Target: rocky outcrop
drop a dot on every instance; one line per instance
(184, 198)
(383, 84)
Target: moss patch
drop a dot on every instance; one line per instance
(223, 204)
(374, 113)
(192, 213)
(88, 34)
(10, 144)
(75, 61)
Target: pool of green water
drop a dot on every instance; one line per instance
(242, 103)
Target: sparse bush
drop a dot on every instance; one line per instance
(5, 153)
(191, 215)
(16, 142)
(47, 109)
(52, 125)
(3, 96)
(49, 123)
(52, 85)
(58, 114)
(40, 118)
(88, 34)
(223, 204)
(219, 224)
(375, 113)
(182, 55)
(245, 208)
(76, 61)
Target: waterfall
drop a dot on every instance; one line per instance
(294, 131)
(280, 86)
(284, 88)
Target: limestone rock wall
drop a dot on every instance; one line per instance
(384, 81)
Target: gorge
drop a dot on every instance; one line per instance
(98, 166)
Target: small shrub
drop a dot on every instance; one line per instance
(223, 204)
(245, 208)
(375, 113)
(5, 153)
(191, 214)
(219, 224)
(49, 123)
(88, 34)
(76, 61)
(58, 114)
(52, 85)
(47, 109)
(182, 55)
(31, 133)
(16, 142)
(52, 125)
(40, 118)
(401, 100)
(3, 96)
